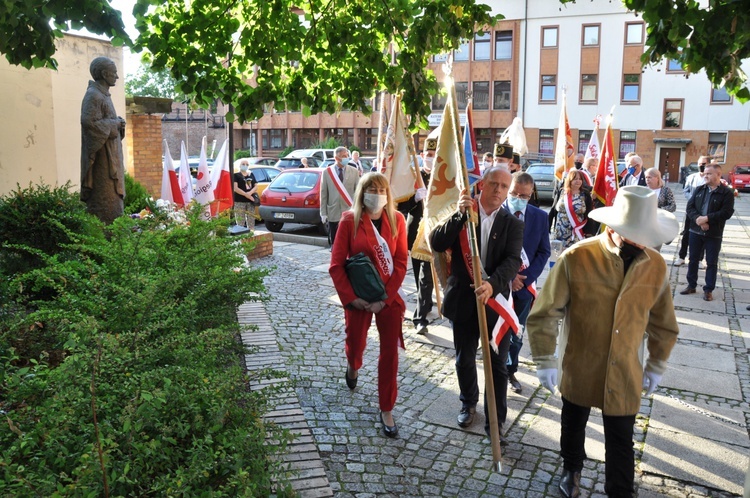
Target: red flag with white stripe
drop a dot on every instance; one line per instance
(605, 185)
(221, 179)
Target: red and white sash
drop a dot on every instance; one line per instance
(339, 186)
(507, 318)
(525, 264)
(575, 221)
(586, 177)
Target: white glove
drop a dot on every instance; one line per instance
(650, 382)
(548, 378)
(420, 194)
(323, 219)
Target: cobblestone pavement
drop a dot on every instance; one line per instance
(433, 459)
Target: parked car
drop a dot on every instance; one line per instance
(367, 163)
(319, 154)
(544, 179)
(739, 177)
(290, 162)
(293, 197)
(253, 161)
(193, 162)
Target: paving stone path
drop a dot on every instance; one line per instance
(691, 437)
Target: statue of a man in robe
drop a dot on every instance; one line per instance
(102, 131)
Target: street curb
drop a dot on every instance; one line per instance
(297, 239)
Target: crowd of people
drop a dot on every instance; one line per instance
(611, 252)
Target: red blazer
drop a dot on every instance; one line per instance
(348, 244)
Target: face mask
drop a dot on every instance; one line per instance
(517, 204)
(578, 165)
(701, 168)
(375, 202)
(631, 170)
(345, 161)
(629, 250)
(427, 163)
(243, 168)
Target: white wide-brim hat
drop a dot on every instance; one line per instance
(634, 215)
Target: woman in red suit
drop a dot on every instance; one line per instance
(374, 227)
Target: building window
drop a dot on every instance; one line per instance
(438, 101)
(549, 37)
(673, 113)
(462, 90)
(501, 96)
(304, 138)
(549, 88)
(484, 141)
(631, 88)
(273, 139)
(482, 47)
(634, 33)
(674, 66)
(462, 53)
(583, 141)
(720, 96)
(546, 141)
(371, 138)
(440, 57)
(591, 36)
(588, 87)
(481, 95)
(503, 45)
(717, 144)
(627, 143)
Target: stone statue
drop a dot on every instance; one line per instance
(102, 131)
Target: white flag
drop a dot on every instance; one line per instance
(593, 148)
(204, 189)
(186, 179)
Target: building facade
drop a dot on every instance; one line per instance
(521, 67)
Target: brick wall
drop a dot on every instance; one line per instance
(145, 150)
(263, 246)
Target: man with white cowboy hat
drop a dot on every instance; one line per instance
(610, 291)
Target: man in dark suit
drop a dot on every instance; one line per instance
(536, 252)
(636, 175)
(500, 238)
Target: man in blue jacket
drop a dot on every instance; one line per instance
(535, 253)
(709, 208)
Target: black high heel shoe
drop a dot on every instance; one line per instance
(390, 431)
(351, 383)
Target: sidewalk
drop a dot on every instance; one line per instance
(691, 437)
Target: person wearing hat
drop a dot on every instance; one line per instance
(609, 291)
(503, 155)
(412, 209)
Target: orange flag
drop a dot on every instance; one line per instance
(564, 148)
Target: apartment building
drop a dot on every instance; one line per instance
(521, 67)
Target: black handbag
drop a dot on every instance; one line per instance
(256, 199)
(365, 278)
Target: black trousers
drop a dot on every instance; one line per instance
(333, 227)
(423, 279)
(466, 341)
(684, 241)
(619, 459)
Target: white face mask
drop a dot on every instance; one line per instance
(375, 202)
(427, 163)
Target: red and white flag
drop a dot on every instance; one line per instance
(204, 189)
(186, 179)
(170, 185)
(564, 148)
(593, 148)
(221, 179)
(397, 158)
(605, 185)
(507, 319)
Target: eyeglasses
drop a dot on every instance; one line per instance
(524, 197)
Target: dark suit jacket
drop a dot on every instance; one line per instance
(627, 180)
(720, 209)
(412, 211)
(503, 262)
(536, 244)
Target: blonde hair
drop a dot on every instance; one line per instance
(379, 181)
(570, 177)
(656, 173)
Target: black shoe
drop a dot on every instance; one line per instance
(687, 290)
(515, 386)
(421, 329)
(466, 417)
(503, 440)
(570, 484)
(351, 383)
(390, 431)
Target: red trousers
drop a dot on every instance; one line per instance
(389, 322)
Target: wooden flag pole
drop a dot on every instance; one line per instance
(489, 388)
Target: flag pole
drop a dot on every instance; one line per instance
(420, 184)
(481, 313)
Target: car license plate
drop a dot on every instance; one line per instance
(284, 216)
(544, 184)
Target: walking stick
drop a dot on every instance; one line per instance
(481, 312)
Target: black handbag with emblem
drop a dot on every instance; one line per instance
(365, 278)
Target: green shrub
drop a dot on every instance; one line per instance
(26, 220)
(352, 148)
(136, 195)
(239, 154)
(328, 143)
(286, 151)
(148, 389)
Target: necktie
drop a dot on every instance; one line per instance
(518, 214)
(341, 173)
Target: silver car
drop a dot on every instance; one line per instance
(544, 179)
